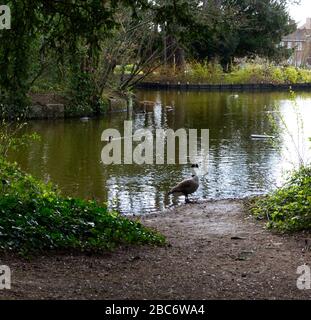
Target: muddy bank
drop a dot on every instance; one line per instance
(55, 106)
(216, 251)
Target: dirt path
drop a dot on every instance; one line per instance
(216, 251)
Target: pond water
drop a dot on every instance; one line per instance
(69, 153)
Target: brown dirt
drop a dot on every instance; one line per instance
(216, 251)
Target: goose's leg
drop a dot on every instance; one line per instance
(187, 199)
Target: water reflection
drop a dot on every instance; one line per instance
(69, 151)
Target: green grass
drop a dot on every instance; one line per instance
(288, 208)
(34, 217)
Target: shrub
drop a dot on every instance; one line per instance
(291, 75)
(277, 75)
(34, 217)
(288, 208)
(199, 72)
(11, 137)
(248, 73)
(258, 71)
(208, 72)
(304, 75)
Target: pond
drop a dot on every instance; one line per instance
(69, 152)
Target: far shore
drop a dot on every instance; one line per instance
(177, 85)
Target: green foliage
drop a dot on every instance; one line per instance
(228, 29)
(304, 75)
(205, 72)
(81, 102)
(288, 208)
(291, 74)
(34, 217)
(267, 73)
(74, 46)
(277, 75)
(244, 73)
(12, 138)
(55, 32)
(249, 73)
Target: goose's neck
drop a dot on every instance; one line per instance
(194, 172)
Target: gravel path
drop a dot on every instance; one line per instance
(216, 251)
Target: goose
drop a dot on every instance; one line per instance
(187, 186)
(234, 96)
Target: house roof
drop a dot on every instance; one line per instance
(299, 35)
(307, 25)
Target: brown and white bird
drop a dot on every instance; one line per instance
(187, 186)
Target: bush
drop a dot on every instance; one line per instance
(248, 73)
(304, 76)
(291, 75)
(11, 137)
(277, 75)
(205, 72)
(288, 208)
(34, 217)
(258, 71)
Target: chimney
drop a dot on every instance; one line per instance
(308, 23)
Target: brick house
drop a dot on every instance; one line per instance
(300, 41)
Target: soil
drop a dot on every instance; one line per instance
(216, 251)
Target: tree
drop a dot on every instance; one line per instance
(89, 38)
(227, 29)
(63, 28)
(175, 19)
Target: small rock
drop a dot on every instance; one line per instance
(237, 238)
(135, 258)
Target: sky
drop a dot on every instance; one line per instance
(300, 12)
